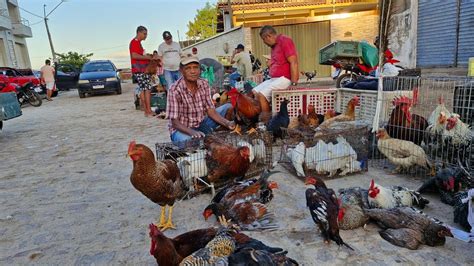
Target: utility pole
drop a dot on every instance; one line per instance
(47, 28)
(49, 35)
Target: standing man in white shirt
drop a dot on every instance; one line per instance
(170, 53)
(47, 78)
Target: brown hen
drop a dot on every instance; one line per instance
(349, 115)
(159, 181)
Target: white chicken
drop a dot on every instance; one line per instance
(404, 154)
(296, 156)
(387, 198)
(435, 115)
(192, 166)
(329, 158)
(459, 131)
(259, 150)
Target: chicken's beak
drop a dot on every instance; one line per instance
(273, 185)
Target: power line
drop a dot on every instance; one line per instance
(31, 13)
(41, 21)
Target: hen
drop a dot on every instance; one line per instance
(404, 154)
(246, 110)
(314, 119)
(225, 160)
(353, 201)
(396, 196)
(297, 157)
(309, 75)
(404, 125)
(349, 115)
(171, 251)
(280, 120)
(409, 228)
(324, 208)
(160, 181)
(446, 182)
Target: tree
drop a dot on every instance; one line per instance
(204, 24)
(74, 58)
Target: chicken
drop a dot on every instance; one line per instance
(242, 143)
(324, 208)
(246, 110)
(353, 201)
(396, 196)
(159, 181)
(255, 189)
(330, 113)
(256, 257)
(438, 117)
(404, 125)
(461, 210)
(297, 155)
(302, 120)
(459, 132)
(225, 160)
(448, 179)
(349, 115)
(222, 246)
(249, 215)
(171, 251)
(192, 166)
(280, 120)
(313, 119)
(404, 154)
(309, 75)
(409, 228)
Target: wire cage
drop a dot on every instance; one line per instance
(190, 157)
(437, 119)
(339, 150)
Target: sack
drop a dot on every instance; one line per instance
(370, 54)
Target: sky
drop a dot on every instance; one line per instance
(104, 27)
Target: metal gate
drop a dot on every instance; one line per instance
(308, 39)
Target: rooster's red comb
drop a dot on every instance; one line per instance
(402, 100)
(372, 184)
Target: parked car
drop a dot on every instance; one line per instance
(99, 76)
(66, 76)
(9, 107)
(15, 76)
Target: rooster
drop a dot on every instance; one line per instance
(309, 75)
(324, 208)
(280, 120)
(223, 159)
(246, 110)
(459, 132)
(404, 154)
(409, 228)
(171, 251)
(404, 125)
(396, 196)
(353, 201)
(160, 181)
(349, 115)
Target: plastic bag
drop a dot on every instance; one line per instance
(208, 74)
(370, 54)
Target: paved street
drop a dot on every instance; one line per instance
(66, 198)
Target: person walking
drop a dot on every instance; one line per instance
(242, 62)
(283, 66)
(170, 51)
(47, 78)
(139, 62)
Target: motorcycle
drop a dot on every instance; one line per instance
(42, 91)
(24, 94)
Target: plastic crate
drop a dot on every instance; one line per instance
(257, 78)
(368, 103)
(194, 152)
(339, 50)
(158, 100)
(321, 99)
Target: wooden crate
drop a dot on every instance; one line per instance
(321, 99)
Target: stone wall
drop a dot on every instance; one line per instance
(403, 32)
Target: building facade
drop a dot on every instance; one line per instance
(13, 33)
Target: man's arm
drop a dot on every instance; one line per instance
(186, 130)
(141, 57)
(293, 60)
(233, 59)
(214, 115)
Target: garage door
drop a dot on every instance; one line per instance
(466, 32)
(308, 38)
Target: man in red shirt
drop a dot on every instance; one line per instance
(139, 63)
(189, 109)
(283, 67)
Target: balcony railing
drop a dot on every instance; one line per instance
(263, 4)
(22, 28)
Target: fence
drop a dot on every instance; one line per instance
(437, 119)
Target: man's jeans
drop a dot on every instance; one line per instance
(171, 77)
(207, 126)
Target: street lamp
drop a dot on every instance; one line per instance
(47, 28)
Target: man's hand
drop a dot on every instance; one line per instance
(230, 125)
(196, 134)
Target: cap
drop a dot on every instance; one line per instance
(194, 49)
(240, 46)
(167, 35)
(188, 58)
(267, 56)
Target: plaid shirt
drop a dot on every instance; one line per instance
(190, 109)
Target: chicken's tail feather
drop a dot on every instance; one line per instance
(266, 222)
(341, 242)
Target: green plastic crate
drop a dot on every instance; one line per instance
(159, 100)
(339, 50)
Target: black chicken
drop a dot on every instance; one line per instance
(461, 210)
(446, 182)
(324, 208)
(309, 75)
(281, 119)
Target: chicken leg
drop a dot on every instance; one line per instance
(251, 131)
(237, 130)
(169, 224)
(162, 217)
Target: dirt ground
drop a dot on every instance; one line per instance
(66, 198)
